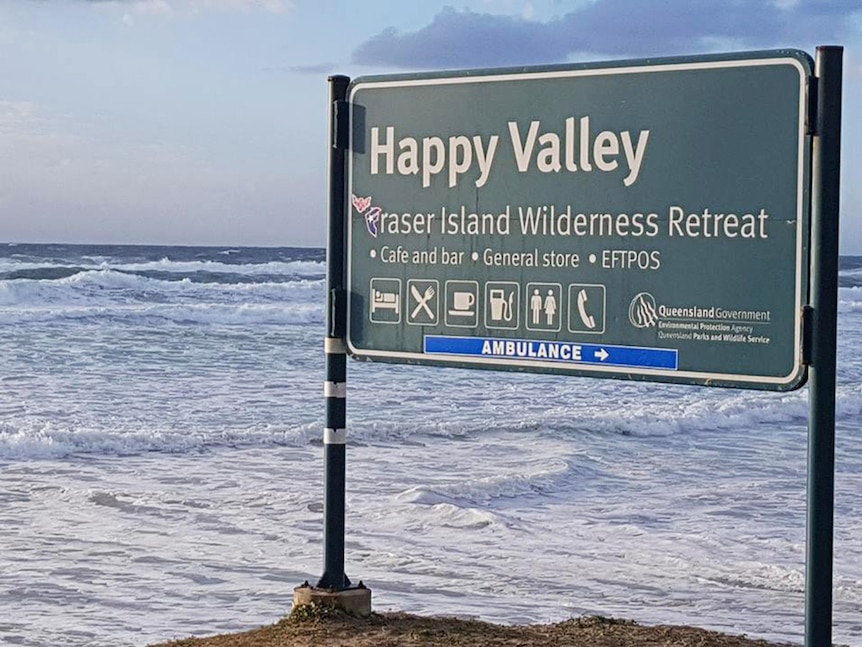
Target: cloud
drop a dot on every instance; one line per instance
(15, 113)
(313, 68)
(611, 28)
(144, 8)
(24, 129)
(151, 7)
(456, 38)
(271, 6)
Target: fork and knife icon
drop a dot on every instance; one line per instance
(422, 302)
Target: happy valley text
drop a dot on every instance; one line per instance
(570, 147)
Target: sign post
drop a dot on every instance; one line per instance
(335, 385)
(824, 303)
(334, 587)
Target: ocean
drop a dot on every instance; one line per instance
(161, 422)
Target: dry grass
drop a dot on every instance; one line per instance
(314, 625)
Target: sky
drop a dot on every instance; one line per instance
(204, 122)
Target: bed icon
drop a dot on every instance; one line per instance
(385, 301)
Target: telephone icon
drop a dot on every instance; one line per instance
(587, 319)
(587, 305)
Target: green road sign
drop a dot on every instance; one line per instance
(643, 220)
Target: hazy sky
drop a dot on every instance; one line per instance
(205, 121)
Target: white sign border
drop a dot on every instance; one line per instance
(669, 375)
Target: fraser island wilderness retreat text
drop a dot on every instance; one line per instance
(547, 220)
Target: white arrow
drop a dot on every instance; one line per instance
(602, 354)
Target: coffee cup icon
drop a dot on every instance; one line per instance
(462, 303)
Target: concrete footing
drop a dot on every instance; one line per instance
(356, 601)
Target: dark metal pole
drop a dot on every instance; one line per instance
(826, 166)
(335, 433)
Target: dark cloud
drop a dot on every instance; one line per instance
(612, 28)
(459, 38)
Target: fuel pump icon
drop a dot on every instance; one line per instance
(501, 307)
(501, 304)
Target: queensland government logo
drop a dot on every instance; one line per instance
(642, 311)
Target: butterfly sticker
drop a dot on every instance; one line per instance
(372, 214)
(372, 221)
(361, 204)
